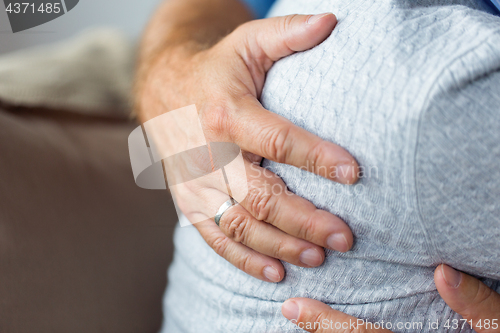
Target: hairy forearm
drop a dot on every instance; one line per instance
(181, 27)
(199, 23)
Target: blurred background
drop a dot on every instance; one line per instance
(127, 15)
(82, 247)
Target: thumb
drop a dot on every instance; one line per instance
(262, 42)
(279, 37)
(316, 317)
(470, 298)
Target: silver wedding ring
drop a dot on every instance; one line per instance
(225, 206)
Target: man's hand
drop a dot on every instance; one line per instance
(466, 295)
(470, 298)
(225, 80)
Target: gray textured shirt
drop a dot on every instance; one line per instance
(412, 90)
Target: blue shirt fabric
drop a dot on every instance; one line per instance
(261, 7)
(496, 3)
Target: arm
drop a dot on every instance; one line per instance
(199, 23)
(181, 27)
(199, 52)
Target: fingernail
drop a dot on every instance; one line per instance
(311, 257)
(290, 310)
(346, 173)
(272, 274)
(451, 276)
(338, 242)
(315, 18)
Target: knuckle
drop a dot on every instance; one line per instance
(216, 120)
(306, 229)
(483, 294)
(276, 144)
(243, 37)
(286, 23)
(317, 318)
(314, 155)
(259, 202)
(279, 249)
(219, 245)
(245, 263)
(236, 226)
(314, 318)
(284, 26)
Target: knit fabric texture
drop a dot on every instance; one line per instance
(412, 90)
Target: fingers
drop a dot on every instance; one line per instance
(269, 200)
(470, 298)
(290, 221)
(243, 228)
(245, 122)
(249, 236)
(276, 138)
(317, 317)
(251, 262)
(262, 42)
(279, 37)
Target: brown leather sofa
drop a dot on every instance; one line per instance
(82, 248)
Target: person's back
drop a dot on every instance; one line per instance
(412, 90)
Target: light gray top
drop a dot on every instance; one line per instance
(412, 90)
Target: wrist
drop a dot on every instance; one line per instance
(158, 75)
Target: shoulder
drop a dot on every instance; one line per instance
(456, 174)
